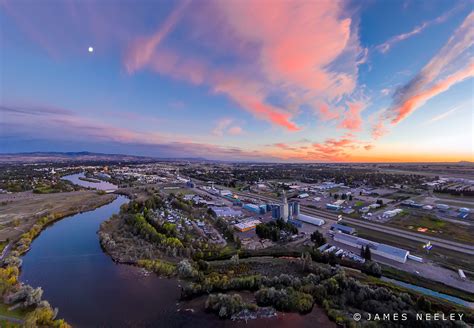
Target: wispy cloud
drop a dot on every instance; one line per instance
(451, 65)
(22, 122)
(387, 45)
(226, 126)
(331, 149)
(141, 51)
(444, 115)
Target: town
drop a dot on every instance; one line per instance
(406, 230)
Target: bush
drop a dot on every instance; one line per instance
(186, 270)
(372, 268)
(287, 299)
(158, 266)
(226, 305)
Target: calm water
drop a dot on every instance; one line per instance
(90, 290)
(101, 185)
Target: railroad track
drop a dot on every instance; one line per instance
(436, 241)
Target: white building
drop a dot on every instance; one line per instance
(285, 210)
(310, 219)
(383, 250)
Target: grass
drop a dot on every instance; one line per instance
(436, 227)
(393, 273)
(359, 203)
(17, 313)
(445, 257)
(446, 305)
(177, 191)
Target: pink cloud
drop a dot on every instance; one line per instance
(226, 126)
(445, 69)
(379, 129)
(235, 130)
(410, 104)
(275, 49)
(72, 127)
(352, 119)
(142, 49)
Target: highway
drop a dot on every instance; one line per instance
(332, 218)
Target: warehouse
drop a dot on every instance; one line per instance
(342, 228)
(247, 225)
(252, 208)
(310, 220)
(225, 211)
(383, 250)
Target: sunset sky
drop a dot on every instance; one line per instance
(260, 80)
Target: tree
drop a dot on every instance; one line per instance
(372, 268)
(336, 196)
(318, 238)
(344, 196)
(362, 252)
(350, 198)
(380, 202)
(368, 254)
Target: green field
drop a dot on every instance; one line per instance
(436, 227)
(444, 257)
(393, 273)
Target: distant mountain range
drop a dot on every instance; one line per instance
(82, 157)
(90, 157)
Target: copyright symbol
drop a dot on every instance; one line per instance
(356, 316)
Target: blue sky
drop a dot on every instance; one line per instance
(255, 80)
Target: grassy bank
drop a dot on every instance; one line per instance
(9, 274)
(444, 257)
(393, 273)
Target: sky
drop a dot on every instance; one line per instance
(262, 80)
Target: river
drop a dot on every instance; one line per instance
(100, 184)
(90, 290)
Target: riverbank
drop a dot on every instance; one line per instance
(89, 179)
(13, 290)
(19, 212)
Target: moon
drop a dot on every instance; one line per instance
(91, 49)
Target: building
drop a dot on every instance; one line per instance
(252, 207)
(247, 225)
(442, 207)
(276, 212)
(310, 219)
(225, 211)
(382, 250)
(190, 184)
(225, 193)
(342, 228)
(303, 195)
(263, 209)
(295, 223)
(392, 213)
(333, 207)
(285, 208)
(295, 208)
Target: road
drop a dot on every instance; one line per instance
(332, 218)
